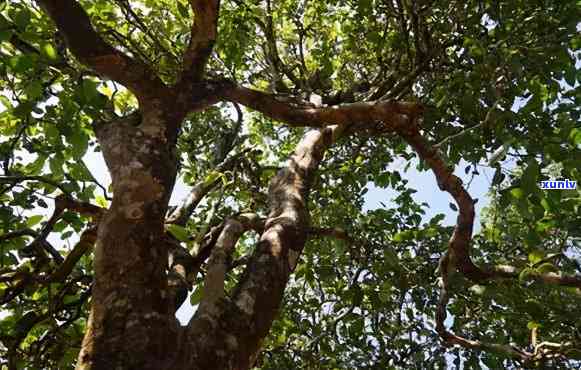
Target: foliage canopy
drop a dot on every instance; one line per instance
(497, 83)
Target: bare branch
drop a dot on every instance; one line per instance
(218, 264)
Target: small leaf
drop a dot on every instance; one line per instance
(196, 296)
(213, 176)
(532, 325)
(529, 177)
(453, 207)
(79, 141)
(183, 10)
(101, 201)
(33, 90)
(180, 233)
(22, 18)
(536, 256)
(575, 136)
(547, 267)
(517, 193)
(33, 220)
(524, 274)
(49, 52)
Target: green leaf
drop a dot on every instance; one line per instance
(33, 220)
(212, 176)
(547, 267)
(179, 232)
(80, 143)
(575, 136)
(524, 274)
(517, 193)
(49, 52)
(101, 201)
(34, 90)
(22, 63)
(55, 164)
(183, 10)
(529, 177)
(391, 258)
(536, 256)
(532, 325)
(22, 18)
(196, 296)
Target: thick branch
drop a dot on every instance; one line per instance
(301, 114)
(511, 272)
(203, 37)
(241, 323)
(91, 49)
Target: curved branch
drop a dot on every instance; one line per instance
(91, 49)
(458, 254)
(85, 243)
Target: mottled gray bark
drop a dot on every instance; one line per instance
(132, 324)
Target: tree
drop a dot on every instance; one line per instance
(279, 115)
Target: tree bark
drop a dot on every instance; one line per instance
(132, 323)
(228, 332)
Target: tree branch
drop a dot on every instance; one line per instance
(303, 114)
(85, 243)
(91, 49)
(256, 298)
(458, 254)
(203, 37)
(200, 190)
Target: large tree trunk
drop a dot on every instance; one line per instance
(132, 323)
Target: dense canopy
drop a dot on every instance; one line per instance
(279, 116)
